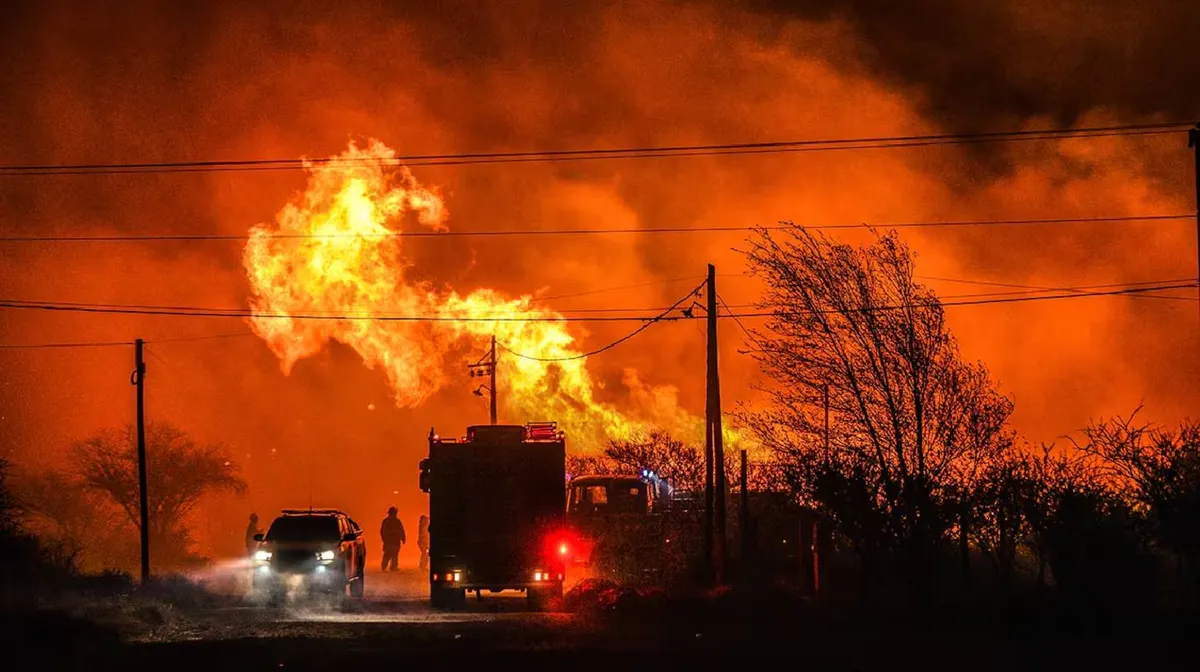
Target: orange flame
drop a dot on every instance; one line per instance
(331, 258)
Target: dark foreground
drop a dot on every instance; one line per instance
(394, 627)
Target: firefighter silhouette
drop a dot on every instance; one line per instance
(423, 541)
(251, 530)
(392, 531)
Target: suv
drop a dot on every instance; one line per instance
(322, 547)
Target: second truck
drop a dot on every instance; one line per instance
(497, 509)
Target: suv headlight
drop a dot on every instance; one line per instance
(326, 556)
(262, 556)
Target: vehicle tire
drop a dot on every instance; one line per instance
(540, 599)
(441, 597)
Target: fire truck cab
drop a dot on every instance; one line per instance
(610, 513)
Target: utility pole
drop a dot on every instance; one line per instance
(715, 435)
(486, 366)
(709, 571)
(492, 358)
(139, 380)
(744, 520)
(825, 390)
(1194, 143)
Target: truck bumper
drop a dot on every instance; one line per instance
(465, 581)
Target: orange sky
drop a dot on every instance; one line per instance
(139, 84)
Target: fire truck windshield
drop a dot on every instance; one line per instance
(611, 496)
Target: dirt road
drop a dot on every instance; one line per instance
(394, 626)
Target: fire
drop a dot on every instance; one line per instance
(330, 261)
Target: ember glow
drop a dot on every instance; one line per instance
(330, 263)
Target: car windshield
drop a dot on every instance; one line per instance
(304, 529)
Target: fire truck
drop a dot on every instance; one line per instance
(497, 509)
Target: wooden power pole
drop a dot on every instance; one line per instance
(486, 366)
(139, 381)
(1194, 143)
(744, 521)
(492, 409)
(825, 394)
(715, 437)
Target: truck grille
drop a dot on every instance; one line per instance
(294, 560)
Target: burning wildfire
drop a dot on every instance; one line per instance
(331, 258)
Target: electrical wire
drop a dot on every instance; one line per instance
(203, 337)
(613, 289)
(1025, 290)
(1038, 288)
(647, 319)
(738, 321)
(831, 144)
(979, 302)
(612, 345)
(243, 314)
(198, 237)
(55, 346)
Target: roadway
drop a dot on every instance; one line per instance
(394, 626)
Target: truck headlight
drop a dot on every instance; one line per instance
(326, 556)
(262, 556)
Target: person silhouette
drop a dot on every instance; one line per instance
(251, 531)
(392, 532)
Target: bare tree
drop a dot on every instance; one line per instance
(78, 519)
(910, 418)
(582, 465)
(180, 472)
(1161, 469)
(680, 463)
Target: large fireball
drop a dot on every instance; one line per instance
(329, 267)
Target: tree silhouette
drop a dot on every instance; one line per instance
(180, 472)
(681, 464)
(911, 421)
(1159, 468)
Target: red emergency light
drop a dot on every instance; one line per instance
(559, 546)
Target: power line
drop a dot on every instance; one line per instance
(333, 314)
(979, 302)
(615, 343)
(205, 337)
(242, 314)
(648, 319)
(738, 321)
(200, 237)
(542, 156)
(1038, 288)
(49, 346)
(612, 289)
(325, 313)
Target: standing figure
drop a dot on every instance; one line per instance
(423, 541)
(251, 531)
(392, 531)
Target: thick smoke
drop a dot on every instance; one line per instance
(986, 63)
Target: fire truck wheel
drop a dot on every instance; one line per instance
(541, 598)
(441, 597)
